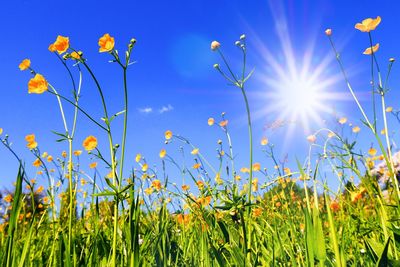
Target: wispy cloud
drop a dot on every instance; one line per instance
(164, 109)
(146, 110)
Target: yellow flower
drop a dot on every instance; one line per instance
(30, 138)
(168, 135)
(138, 157)
(37, 85)
(145, 167)
(356, 129)
(342, 120)
(32, 145)
(163, 153)
(383, 131)
(254, 184)
(106, 43)
(264, 141)
(195, 151)
(368, 24)
(368, 51)
(76, 55)
(1, 131)
(77, 152)
(93, 165)
(196, 166)
(211, 121)
(25, 64)
(372, 151)
(185, 187)
(215, 45)
(257, 212)
(50, 158)
(244, 170)
(40, 189)
(8, 198)
(90, 143)
(60, 45)
(223, 123)
(156, 184)
(200, 184)
(37, 163)
(328, 32)
(148, 191)
(388, 109)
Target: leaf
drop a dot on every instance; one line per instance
(383, 259)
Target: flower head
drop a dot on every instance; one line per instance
(25, 64)
(168, 135)
(264, 141)
(210, 121)
(215, 45)
(90, 143)
(368, 24)
(163, 153)
(369, 51)
(106, 43)
(37, 85)
(328, 32)
(311, 138)
(60, 45)
(93, 165)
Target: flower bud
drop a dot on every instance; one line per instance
(391, 59)
(242, 37)
(215, 45)
(216, 66)
(328, 32)
(237, 43)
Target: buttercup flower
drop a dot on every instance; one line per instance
(223, 123)
(388, 109)
(369, 51)
(138, 157)
(342, 120)
(215, 45)
(163, 153)
(168, 135)
(90, 143)
(93, 165)
(368, 24)
(60, 45)
(25, 64)
(210, 121)
(264, 141)
(156, 184)
(145, 167)
(356, 129)
(106, 43)
(195, 151)
(311, 138)
(76, 55)
(77, 152)
(37, 85)
(37, 163)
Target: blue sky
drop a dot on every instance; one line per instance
(174, 69)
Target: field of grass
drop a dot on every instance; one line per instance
(223, 215)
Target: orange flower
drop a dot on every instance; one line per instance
(200, 184)
(156, 184)
(168, 135)
(30, 138)
(223, 123)
(311, 138)
(40, 189)
(183, 218)
(37, 163)
(369, 51)
(196, 166)
(50, 158)
(93, 165)
(256, 166)
(368, 24)
(254, 184)
(215, 45)
(76, 55)
(185, 187)
(106, 43)
(77, 152)
(25, 64)
(8, 198)
(210, 121)
(60, 45)
(90, 143)
(342, 120)
(356, 129)
(334, 206)
(257, 212)
(32, 145)
(372, 151)
(37, 85)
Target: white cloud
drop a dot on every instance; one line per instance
(146, 110)
(165, 109)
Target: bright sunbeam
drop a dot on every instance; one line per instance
(296, 84)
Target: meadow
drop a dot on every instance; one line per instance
(118, 213)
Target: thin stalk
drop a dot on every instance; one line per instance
(372, 80)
